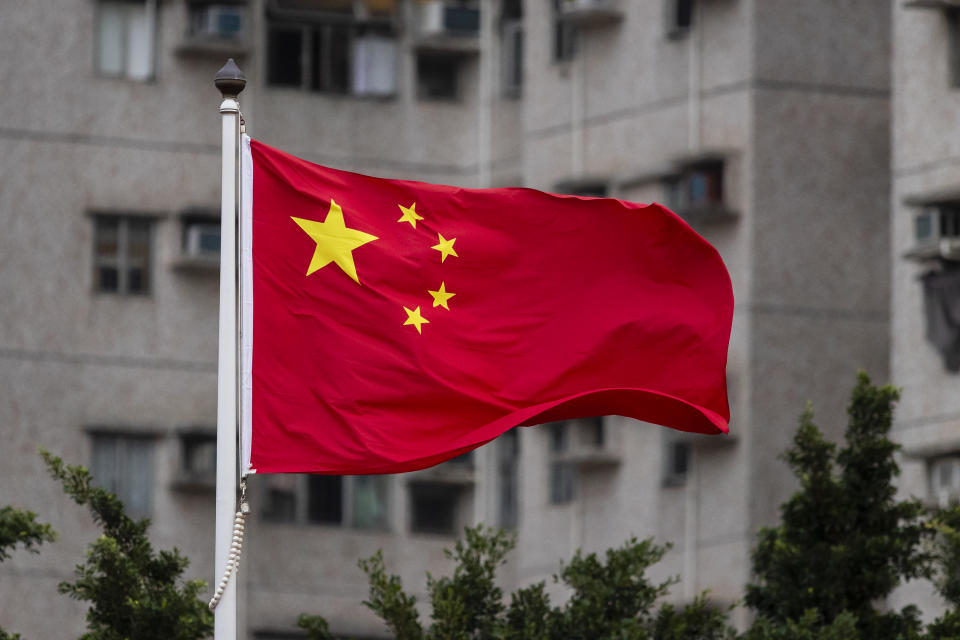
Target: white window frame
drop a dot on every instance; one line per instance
(150, 7)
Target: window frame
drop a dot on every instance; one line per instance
(121, 262)
(123, 440)
(152, 18)
(323, 26)
(348, 492)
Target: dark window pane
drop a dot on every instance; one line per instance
(199, 455)
(281, 506)
(339, 65)
(436, 77)
(679, 458)
(684, 15)
(434, 508)
(325, 499)
(558, 437)
(107, 279)
(106, 237)
(596, 433)
(136, 280)
(284, 64)
(561, 482)
(138, 240)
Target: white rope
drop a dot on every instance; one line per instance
(236, 546)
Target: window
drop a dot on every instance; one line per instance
(123, 465)
(437, 76)
(216, 20)
(559, 437)
(198, 459)
(125, 38)
(339, 57)
(944, 474)
(201, 235)
(434, 507)
(679, 17)
(122, 254)
(596, 435)
(511, 48)
(941, 299)
(359, 501)
(587, 188)
(697, 188)
(564, 35)
(563, 473)
(953, 51)
(677, 463)
(562, 482)
(508, 461)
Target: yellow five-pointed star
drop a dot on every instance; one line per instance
(410, 214)
(441, 296)
(414, 318)
(335, 242)
(445, 247)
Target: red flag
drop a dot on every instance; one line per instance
(396, 324)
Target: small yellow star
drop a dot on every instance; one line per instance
(414, 318)
(441, 296)
(410, 214)
(335, 242)
(445, 247)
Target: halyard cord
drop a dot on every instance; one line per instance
(236, 546)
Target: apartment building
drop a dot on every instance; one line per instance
(925, 249)
(765, 123)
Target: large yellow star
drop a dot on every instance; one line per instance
(414, 318)
(335, 242)
(410, 214)
(445, 247)
(441, 297)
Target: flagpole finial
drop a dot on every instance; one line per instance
(230, 80)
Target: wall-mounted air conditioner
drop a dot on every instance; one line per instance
(439, 18)
(224, 21)
(936, 232)
(202, 240)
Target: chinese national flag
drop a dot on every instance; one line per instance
(390, 325)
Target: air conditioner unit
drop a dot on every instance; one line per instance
(221, 21)
(438, 18)
(945, 480)
(202, 240)
(937, 232)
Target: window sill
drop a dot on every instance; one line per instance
(197, 264)
(707, 214)
(194, 485)
(449, 43)
(214, 47)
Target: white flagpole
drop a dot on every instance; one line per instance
(230, 81)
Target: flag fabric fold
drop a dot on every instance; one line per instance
(389, 325)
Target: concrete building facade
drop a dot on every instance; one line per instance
(765, 123)
(925, 292)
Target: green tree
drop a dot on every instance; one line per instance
(946, 553)
(18, 527)
(611, 597)
(133, 592)
(844, 541)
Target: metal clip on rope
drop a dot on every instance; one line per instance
(236, 546)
